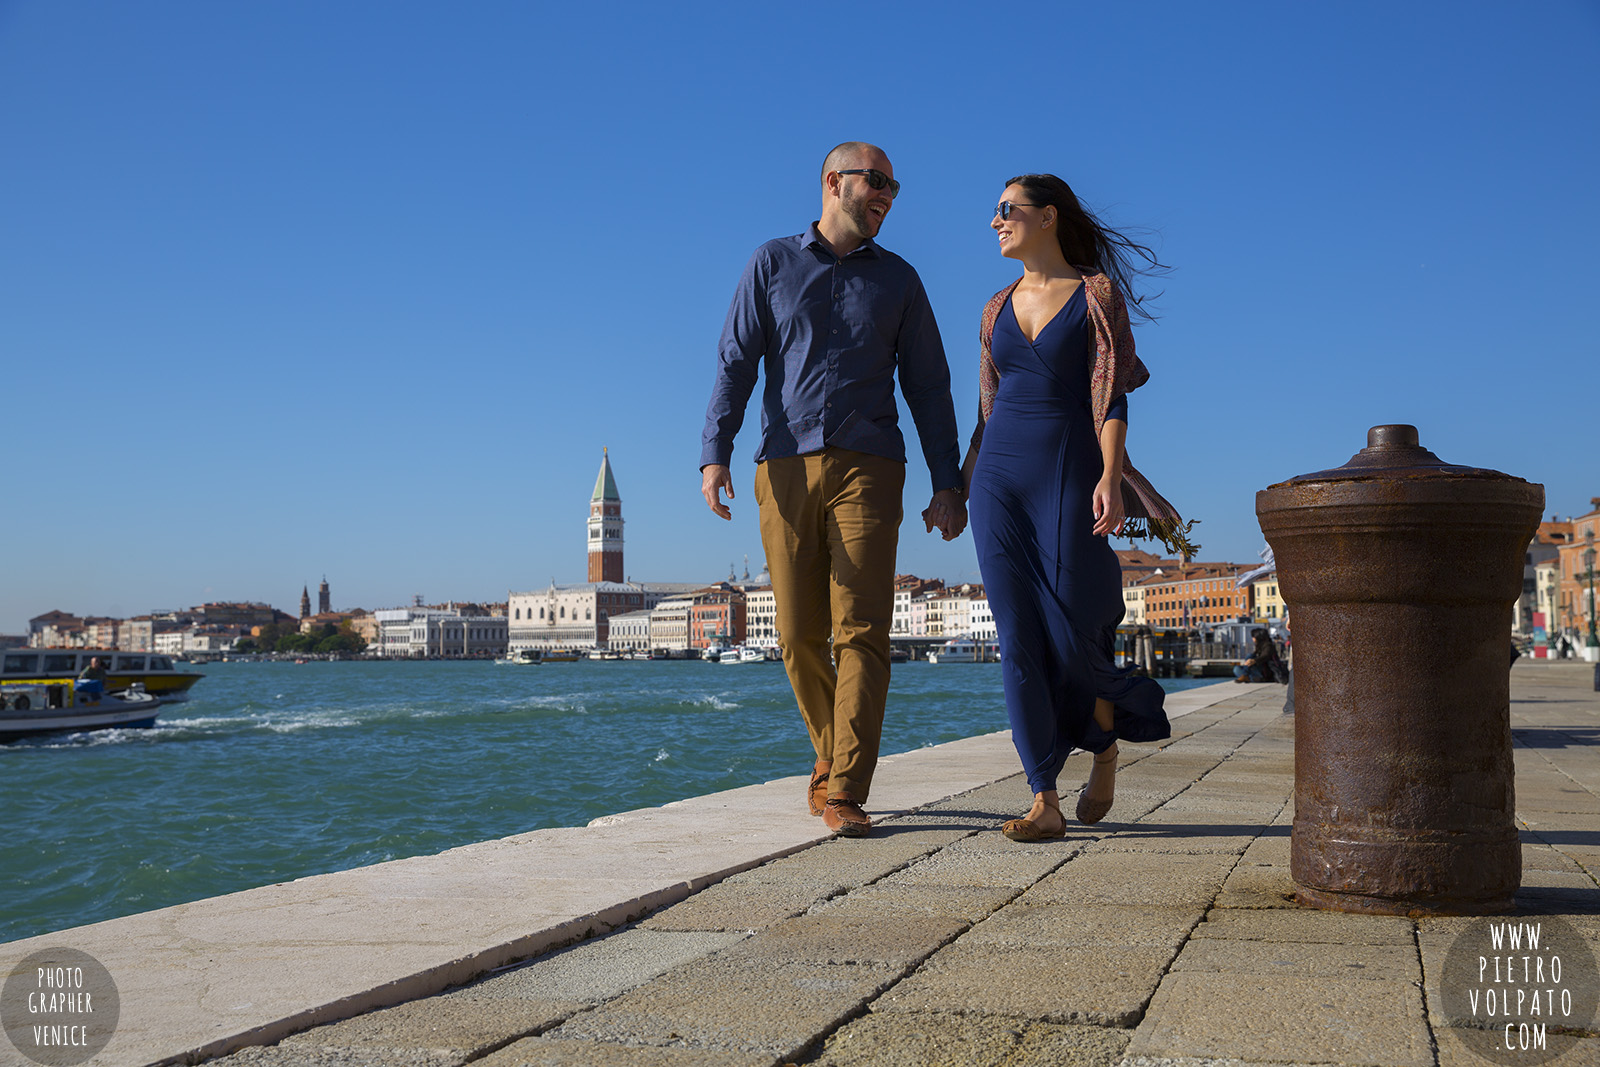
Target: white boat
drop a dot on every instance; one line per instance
(55, 705)
(528, 657)
(965, 649)
(714, 653)
(559, 655)
(743, 654)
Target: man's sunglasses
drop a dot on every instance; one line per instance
(877, 179)
(1003, 208)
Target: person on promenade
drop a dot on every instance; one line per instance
(1048, 482)
(833, 317)
(1263, 658)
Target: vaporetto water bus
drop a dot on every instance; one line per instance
(153, 671)
(57, 705)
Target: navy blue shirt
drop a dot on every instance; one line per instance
(832, 334)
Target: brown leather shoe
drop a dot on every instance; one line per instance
(844, 817)
(817, 794)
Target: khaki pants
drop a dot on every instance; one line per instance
(830, 524)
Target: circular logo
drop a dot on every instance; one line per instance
(59, 1007)
(1509, 983)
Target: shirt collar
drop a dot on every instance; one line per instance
(869, 247)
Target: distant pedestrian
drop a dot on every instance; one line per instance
(833, 318)
(1263, 662)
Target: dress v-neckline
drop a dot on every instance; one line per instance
(1034, 340)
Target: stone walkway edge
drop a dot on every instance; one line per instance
(201, 979)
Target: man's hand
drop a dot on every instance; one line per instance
(714, 478)
(947, 511)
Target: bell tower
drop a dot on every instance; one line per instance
(324, 601)
(605, 526)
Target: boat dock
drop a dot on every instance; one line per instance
(729, 929)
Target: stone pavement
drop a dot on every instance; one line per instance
(1166, 935)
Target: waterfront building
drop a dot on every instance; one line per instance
(1266, 602)
(907, 587)
(760, 617)
(578, 616)
(1545, 546)
(365, 625)
(669, 624)
(169, 642)
(1573, 613)
(1192, 594)
(438, 632)
(630, 632)
(980, 618)
(1547, 599)
(717, 616)
(335, 619)
(954, 610)
(917, 615)
(605, 526)
(1133, 598)
(136, 635)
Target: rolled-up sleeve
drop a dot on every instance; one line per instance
(925, 383)
(739, 355)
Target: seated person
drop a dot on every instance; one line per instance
(1258, 668)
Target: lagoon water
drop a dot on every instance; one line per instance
(275, 771)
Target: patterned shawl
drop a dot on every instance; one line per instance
(1115, 370)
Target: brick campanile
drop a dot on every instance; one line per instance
(605, 526)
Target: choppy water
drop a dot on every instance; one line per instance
(275, 771)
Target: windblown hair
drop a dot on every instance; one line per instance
(1088, 242)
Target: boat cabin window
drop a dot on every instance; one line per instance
(160, 663)
(61, 663)
(130, 663)
(21, 663)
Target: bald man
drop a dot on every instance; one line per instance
(834, 319)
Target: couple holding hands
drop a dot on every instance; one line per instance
(833, 318)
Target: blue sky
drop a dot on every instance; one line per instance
(362, 289)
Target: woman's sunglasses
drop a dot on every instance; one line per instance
(1003, 208)
(877, 179)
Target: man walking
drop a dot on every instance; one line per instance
(834, 318)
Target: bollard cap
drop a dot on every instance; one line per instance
(1395, 451)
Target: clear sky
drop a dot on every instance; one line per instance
(362, 289)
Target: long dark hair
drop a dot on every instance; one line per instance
(1088, 242)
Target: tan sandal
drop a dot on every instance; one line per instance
(1092, 811)
(1028, 830)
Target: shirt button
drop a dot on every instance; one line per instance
(835, 331)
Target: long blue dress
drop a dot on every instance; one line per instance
(1055, 586)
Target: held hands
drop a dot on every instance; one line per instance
(1108, 510)
(714, 478)
(948, 512)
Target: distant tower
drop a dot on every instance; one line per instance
(605, 526)
(324, 601)
(305, 602)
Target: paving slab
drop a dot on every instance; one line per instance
(919, 1039)
(1053, 983)
(1296, 959)
(1305, 925)
(601, 969)
(1256, 886)
(1050, 1045)
(1133, 878)
(743, 1006)
(1261, 1017)
(1084, 925)
(451, 1026)
(966, 903)
(830, 939)
(552, 1052)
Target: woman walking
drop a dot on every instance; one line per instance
(1048, 482)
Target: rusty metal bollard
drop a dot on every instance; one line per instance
(1401, 571)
